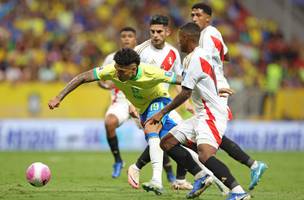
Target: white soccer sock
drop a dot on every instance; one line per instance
(156, 155)
(254, 165)
(238, 189)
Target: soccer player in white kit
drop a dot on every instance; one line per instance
(156, 51)
(208, 125)
(212, 41)
(120, 109)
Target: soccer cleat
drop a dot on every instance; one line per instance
(133, 176)
(199, 186)
(256, 174)
(151, 186)
(181, 185)
(238, 196)
(117, 167)
(170, 177)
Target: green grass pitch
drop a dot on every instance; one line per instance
(87, 175)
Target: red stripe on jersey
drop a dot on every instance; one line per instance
(116, 90)
(219, 46)
(210, 115)
(212, 125)
(206, 67)
(230, 116)
(169, 60)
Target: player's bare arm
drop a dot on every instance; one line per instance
(183, 96)
(225, 92)
(179, 80)
(72, 85)
(188, 106)
(108, 85)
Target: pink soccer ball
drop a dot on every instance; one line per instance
(38, 174)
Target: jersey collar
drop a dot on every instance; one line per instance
(138, 75)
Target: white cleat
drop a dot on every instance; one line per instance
(181, 185)
(133, 176)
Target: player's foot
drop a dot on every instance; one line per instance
(256, 174)
(238, 196)
(182, 185)
(170, 177)
(199, 186)
(154, 187)
(133, 176)
(117, 167)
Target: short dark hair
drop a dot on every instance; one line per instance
(128, 28)
(191, 29)
(206, 8)
(159, 19)
(126, 56)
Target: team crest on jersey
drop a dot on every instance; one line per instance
(169, 74)
(170, 60)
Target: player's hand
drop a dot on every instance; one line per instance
(155, 119)
(189, 107)
(54, 103)
(225, 92)
(133, 112)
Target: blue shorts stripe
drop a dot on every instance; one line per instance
(151, 135)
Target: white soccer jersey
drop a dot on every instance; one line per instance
(167, 58)
(200, 77)
(212, 41)
(116, 94)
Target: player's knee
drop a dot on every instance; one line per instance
(168, 142)
(111, 122)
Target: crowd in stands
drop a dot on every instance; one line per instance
(55, 40)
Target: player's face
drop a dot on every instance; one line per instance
(200, 18)
(128, 39)
(158, 34)
(125, 73)
(183, 42)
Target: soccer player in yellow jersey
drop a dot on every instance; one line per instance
(141, 85)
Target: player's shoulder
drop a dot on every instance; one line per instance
(211, 30)
(171, 47)
(148, 69)
(200, 53)
(141, 47)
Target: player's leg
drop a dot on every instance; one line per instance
(144, 158)
(156, 156)
(208, 138)
(116, 115)
(184, 158)
(235, 151)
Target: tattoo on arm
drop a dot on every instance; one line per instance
(178, 100)
(75, 82)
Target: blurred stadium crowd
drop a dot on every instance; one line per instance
(54, 40)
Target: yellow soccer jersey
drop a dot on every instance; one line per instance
(142, 89)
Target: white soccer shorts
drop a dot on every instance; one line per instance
(201, 131)
(120, 109)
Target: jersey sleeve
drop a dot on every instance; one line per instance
(163, 76)
(177, 67)
(192, 75)
(108, 59)
(104, 72)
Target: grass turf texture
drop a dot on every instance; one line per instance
(87, 175)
